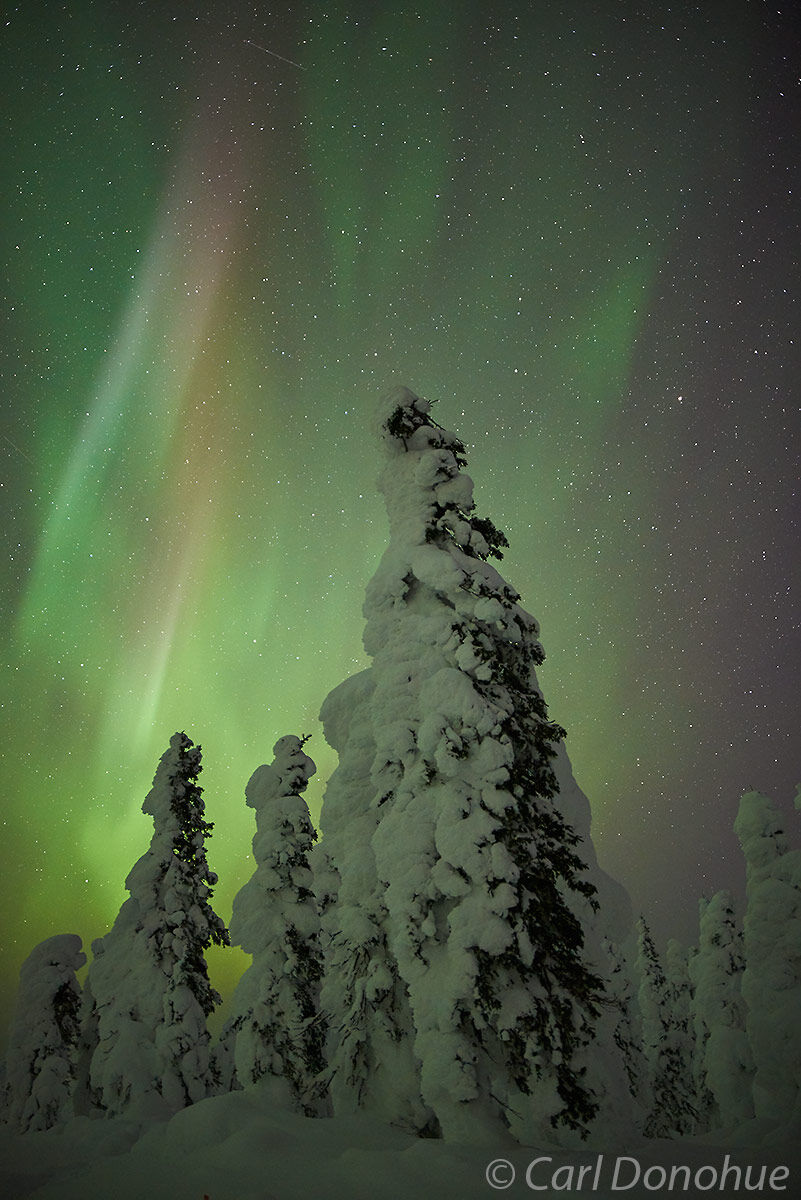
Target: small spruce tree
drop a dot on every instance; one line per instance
(277, 1029)
(672, 1110)
(678, 960)
(41, 1057)
(149, 981)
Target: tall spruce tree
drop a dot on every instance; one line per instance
(772, 978)
(277, 1031)
(473, 880)
(41, 1057)
(149, 982)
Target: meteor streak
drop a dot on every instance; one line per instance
(264, 49)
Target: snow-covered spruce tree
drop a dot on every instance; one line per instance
(680, 990)
(672, 1109)
(40, 1062)
(474, 885)
(771, 982)
(279, 1032)
(704, 1102)
(148, 981)
(723, 1066)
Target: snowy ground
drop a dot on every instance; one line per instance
(236, 1147)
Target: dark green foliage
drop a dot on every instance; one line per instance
(307, 981)
(542, 846)
(404, 421)
(66, 1010)
(491, 535)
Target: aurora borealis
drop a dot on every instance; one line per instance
(226, 229)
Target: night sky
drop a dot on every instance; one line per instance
(226, 230)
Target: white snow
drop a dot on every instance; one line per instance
(241, 1147)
